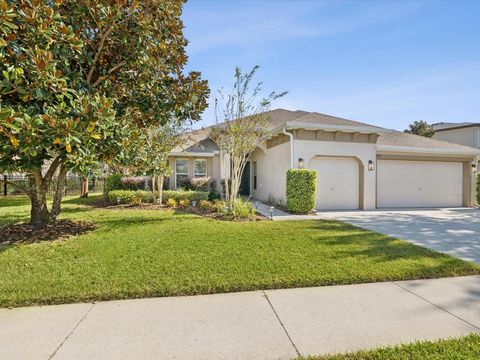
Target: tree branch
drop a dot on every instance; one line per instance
(112, 69)
(99, 51)
(51, 170)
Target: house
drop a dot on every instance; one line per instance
(359, 166)
(459, 133)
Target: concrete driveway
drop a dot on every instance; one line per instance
(455, 231)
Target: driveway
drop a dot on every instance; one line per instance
(455, 231)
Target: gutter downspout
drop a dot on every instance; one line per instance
(292, 155)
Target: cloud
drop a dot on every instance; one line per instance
(256, 24)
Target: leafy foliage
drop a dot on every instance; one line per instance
(421, 128)
(242, 124)
(129, 196)
(301, 189)
(185, 195)
(80, 80)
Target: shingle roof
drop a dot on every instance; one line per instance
(198, 140)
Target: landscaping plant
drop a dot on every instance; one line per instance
(81, 80)
(301, 190)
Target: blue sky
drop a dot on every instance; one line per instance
(380, 62)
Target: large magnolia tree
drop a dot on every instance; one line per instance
(80, 78)
(242, 123)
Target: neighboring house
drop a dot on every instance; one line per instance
(359, 166)
(459, 133)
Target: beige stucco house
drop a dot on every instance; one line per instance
(459, 133)
(359, 166)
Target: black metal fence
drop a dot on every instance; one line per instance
(17, 185)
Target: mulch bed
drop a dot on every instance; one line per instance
(59, 230)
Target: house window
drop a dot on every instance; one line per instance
(254, 175)
(181, 172)
(200, 168)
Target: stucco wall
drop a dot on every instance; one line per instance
(465, 136)
(309, 149)
(272, 166)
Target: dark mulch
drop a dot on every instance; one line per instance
(59, 230)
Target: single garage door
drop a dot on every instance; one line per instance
(337, 183)
(419, 183)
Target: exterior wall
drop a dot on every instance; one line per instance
(213, 167)
(363, 152)
(272, 166)
(469, 136)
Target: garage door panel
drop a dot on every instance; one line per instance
(337, 183)
(419, 183)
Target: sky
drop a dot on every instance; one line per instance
(386, 63)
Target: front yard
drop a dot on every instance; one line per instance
(141, 253)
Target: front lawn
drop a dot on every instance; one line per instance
(141, 253)
(467, 347)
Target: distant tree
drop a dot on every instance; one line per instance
(421, 128)
(241, 125)
(78, 80)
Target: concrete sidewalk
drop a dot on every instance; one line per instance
(273, 324)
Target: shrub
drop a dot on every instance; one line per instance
(133, 183)
(243, 208)
(184, 184)
(214, 195)
(171, 202)
(301, 189)
(113, 182)
(129, 196)
(184, 202)
(200, 183)
(205, 205)
(189, 195)
(478, 189)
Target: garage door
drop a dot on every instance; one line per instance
(419, 183)
(337, 183)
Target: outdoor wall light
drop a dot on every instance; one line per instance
(474, 167)
(301, 163)
(370, 165)
(271, 212)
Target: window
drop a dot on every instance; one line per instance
(200, 168)
(181, 172)
(254, 175)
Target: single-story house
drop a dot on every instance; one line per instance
(359, 166)
(459, 133)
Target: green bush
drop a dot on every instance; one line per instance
(130, 196)
(113, 182)
(301, 189)
(243, 209)
(478, 189)
(185, 195)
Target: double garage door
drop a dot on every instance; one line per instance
(399, 183)
(419, 183)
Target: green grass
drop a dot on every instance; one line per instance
(467, 347)
(142, 253)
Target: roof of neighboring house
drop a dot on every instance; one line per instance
(198, 141)
(449, 126)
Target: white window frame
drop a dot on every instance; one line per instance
(194, 168)
(176, 173)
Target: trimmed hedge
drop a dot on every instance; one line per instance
(185, 195)
(301, 189)
(130, 196)
(113, 182)
(478, 189)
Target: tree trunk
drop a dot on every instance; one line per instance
(153, 190)
(39, 215)
(160, 188)
(59, 191)
(84, 190)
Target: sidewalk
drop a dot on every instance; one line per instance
(272, 324)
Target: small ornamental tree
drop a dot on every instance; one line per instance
(301, 190)
(241, 126)
(421, 128)
(80, 79)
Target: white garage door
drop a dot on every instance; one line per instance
(337, 183)
(419, 183)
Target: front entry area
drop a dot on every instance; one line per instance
(338, 183)
(419, 184)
